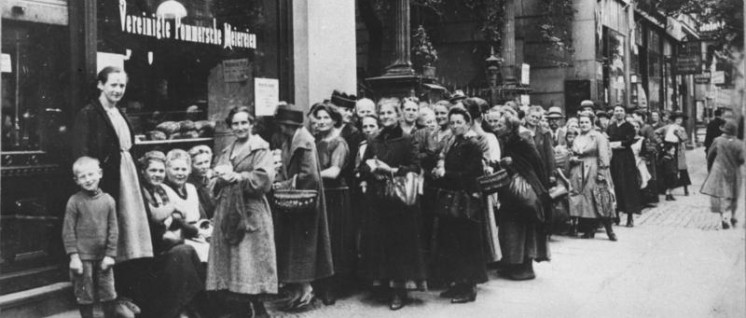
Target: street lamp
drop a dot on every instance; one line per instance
(171, 9)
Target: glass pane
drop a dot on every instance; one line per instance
(34, 84)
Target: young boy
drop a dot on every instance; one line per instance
(90, 235)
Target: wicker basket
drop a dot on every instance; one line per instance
(293, 200)
(492, 182)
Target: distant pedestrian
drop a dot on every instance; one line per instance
(624, 171)
(714, 127)
(674, 143)
(726, 155)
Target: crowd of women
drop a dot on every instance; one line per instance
(401, 201)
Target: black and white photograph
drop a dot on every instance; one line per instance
(372, 158)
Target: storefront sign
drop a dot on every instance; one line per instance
(225, 35)
(689, 64)
(237, 70)
(718, 77)
(266, 96)
(7, 65)
(703, 78)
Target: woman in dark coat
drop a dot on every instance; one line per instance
(302, 238)
(460, 249)
(333, 157)
(523, 230)
(623, 168)
(102, 131)
(390, 248)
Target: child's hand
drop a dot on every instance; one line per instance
(76, 266)
(107, 263)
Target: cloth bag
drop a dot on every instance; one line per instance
(523, 196)
(402, 188)
(604, 199)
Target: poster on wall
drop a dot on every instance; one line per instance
(236, 70)
(266, 96)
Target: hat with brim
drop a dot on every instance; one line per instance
(343, 100)
(554, 112)
(587, 104)
(457, 96)
(602, 113)
(289, 116)
(678, 115)
(729, 128)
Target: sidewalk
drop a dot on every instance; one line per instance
(674, 263)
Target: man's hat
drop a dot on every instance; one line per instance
(729, 128)
(288, 115)
(587, 104)
(343, 100)
(602, 113)
(457, 96)
(554, 112)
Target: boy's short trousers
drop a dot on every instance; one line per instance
(93, 281)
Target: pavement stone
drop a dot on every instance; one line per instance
(676, 262)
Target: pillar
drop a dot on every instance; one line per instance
(325, 53)
(402, 61)
(508, 43)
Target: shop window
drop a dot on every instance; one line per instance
(34, 83)
(614, 81)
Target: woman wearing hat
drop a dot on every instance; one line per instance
(673, 163)
(303, 244)
(726, 155)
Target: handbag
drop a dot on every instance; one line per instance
(457, 204)
(561, 189)
(604, 199)
(521, 195)
(402, 188)
(491, 183)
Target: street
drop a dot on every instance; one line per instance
(675, 262)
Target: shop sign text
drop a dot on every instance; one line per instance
(224, 35)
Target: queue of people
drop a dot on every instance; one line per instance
(398, 202)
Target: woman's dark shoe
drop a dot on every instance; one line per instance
(450, 292)
(733, 222)
(725, 225)
(397, 301)
(524, 271)
(686, 191)
(588, 235)
(469, 294)
(630, 221)
(259, 310)
(612, 237)
(669, 197)
(327, 297)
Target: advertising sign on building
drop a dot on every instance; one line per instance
(237, 70)
(525, 73)
(688, 64)
(718, 77)
(702, 78)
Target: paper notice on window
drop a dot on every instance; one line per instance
(104, 59)
(7, 64)
(266, 96)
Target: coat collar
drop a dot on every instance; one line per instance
(302, 139)
(254, 143)
(390, 133)
(102, 112)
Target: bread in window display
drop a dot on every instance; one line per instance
(187, 130)
(169, 128)
(157, 135)
(205, 128)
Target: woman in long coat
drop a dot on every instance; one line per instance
(725, 155)
(460, 249)
(675, 171)
(589, 169)
(624, 167)
(242, 258)
(390, 246)
(523, 231)
(102, 131)
(302, 238)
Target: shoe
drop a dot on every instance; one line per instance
(397, 302)
(630, 222)
(259, 310)
(670, 197)
(449, 293)
(462, 298)
(588, 235)
(327, 297)
(733, 222)
(523, 271)
(725, 225)
(612, 237)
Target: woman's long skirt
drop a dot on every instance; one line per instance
(342, 229)
(460, 251)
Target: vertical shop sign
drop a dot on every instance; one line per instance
(237, 70)
(525, 73)
(266, 96)
(6, 65)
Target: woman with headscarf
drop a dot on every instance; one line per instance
(725, 156)
(390, 246)
(460, 251)
(523, 229)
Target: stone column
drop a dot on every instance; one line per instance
(402, 64)
(508, 45)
